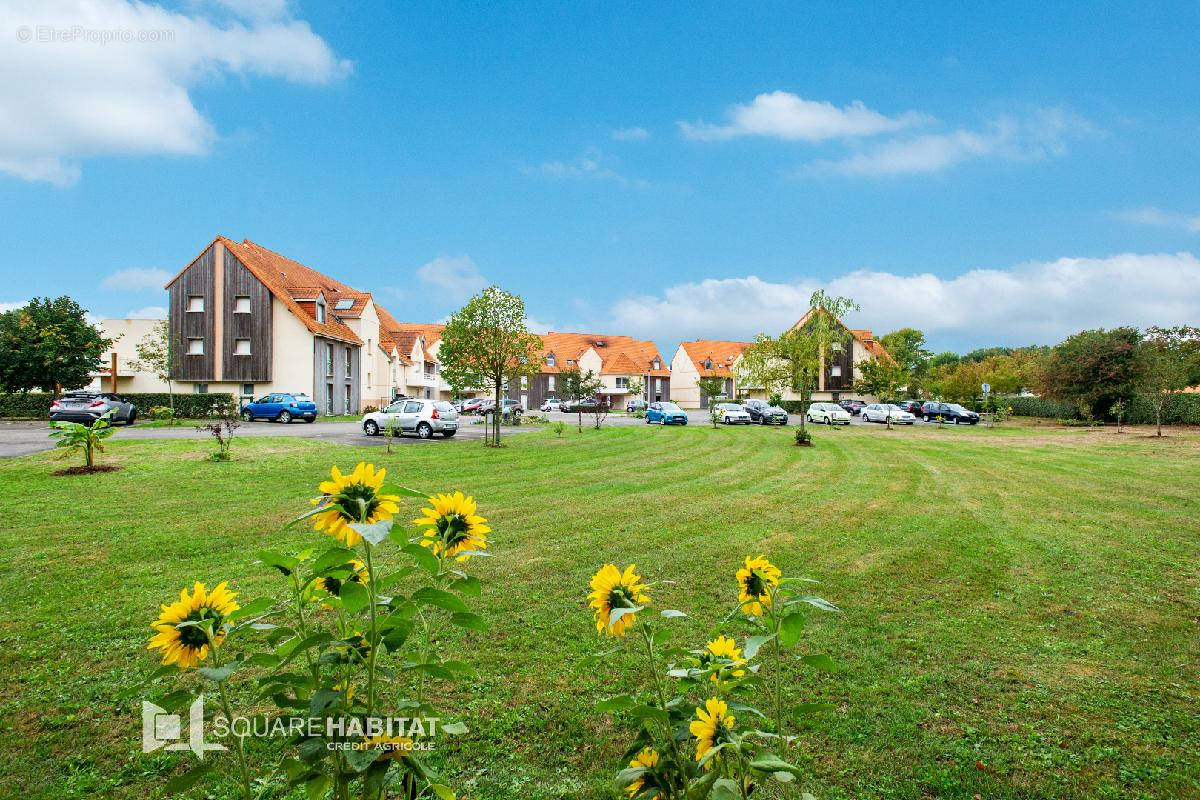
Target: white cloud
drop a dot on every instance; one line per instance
(783, 115)
(1036, 302)
(148, 312)
(630, 134)
(13, 306)
(72, 94)
(137, 280)
(593, 164)
(1149, 215)
(458, 278)
(1041, 134)
(534, 325)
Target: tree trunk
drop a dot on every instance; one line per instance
(1158, 416)
(171, 396)
(496, 411)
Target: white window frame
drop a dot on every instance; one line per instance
(835, 371)
(195, 300)
(237, 347)
(195, 346)
(241, 304)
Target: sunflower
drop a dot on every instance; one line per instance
(454, 527)
(188, 645)
(358, 574)
(711, 726)
(754, 580)
(611, 589)
(353, 498)
(648, 758)
(393, 747)
(353, 649)
(720, 650)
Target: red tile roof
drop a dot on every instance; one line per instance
(619, 355)
(720, 353)
(864, 337)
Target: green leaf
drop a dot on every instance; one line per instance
(454, 728)
(439, 598)
(285, 564)
(725, 789)
(618, 702)
(316, 786)
(700, 788)
(790, 629)
(817, 602)
(333, 557)
(753, 643)
(181, 783)
(629, 775)
(468, 585)
(443, 792)
(355, 597)
(814, 708)
(219, 674)
(467, 620)
(252, 609)
(373, 532)
(820, 661)
(672, 613)
(783, 777)
(617, 613)
(772, 764)
(268, 660)
(424, 557)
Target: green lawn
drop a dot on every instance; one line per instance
(1022, 606)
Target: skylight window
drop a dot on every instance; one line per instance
(344, 305)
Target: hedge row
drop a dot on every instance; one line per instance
(1180, 409)
(36, 405)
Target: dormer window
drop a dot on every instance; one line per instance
(655, 364)
(708, 363)
(321, 310)
(550, 360)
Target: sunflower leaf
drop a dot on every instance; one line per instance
(354, 597)
(725, 788)
(820, 661)
(468, 585)
(219, 674)
(251, 609)
(424, 557)
(817, 602)
(284, 564)
(373, 532)
(312, 512)
(617, 613)
(181, 783)
(790, 629)
(467, 620)
(440, 598)
(332, 558)
(392, 488)
(700, 787)
(454, 728)
(753, 643)
(671, 613)
(772, 764)
(629, 775)
(618, 702)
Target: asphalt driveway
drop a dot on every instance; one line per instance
(21, 438)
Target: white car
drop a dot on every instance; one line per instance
(731, 414)
(552, 405)
(829, 413)
(413, 415)
(880, 412)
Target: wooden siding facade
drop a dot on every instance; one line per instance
(255, 325)
(196, 281)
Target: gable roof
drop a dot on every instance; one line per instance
(720, 352)
(619, 355)
(863, 336)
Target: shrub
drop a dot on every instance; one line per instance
(803, 438)
(160, 413)
(36, 405)
(85, 440)
(370, 409)
(559, 427)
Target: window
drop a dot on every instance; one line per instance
(412, 406)
(656, 364)
(348, 362)
(550, 360)
(195, 302)
(329, 394)
(200, 388)
(349, 398)
(524, 381)
(368, 379)
(708, 363)
(550, 383)
(248, 390)
(195, 347)
(241, 304)
(241, 347)
(658, 384)
(622, 383)
(835, 371)
(321, 311)
(329, 360)
(343, 305)
(368, 347)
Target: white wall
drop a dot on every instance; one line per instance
(128, 333)
(684, 390)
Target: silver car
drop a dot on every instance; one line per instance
(413, 415)
(881, 412)
(87, 407)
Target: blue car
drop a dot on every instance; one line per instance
(281, 408)
(666, 413)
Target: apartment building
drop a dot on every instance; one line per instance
(705, 358)
(620, 362)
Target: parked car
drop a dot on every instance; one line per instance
(949, 412)
(855, 407)
(281, 407)
(552, 404)
(764, 413)
(509, 406)
(667, 413)
(829, 413)
(911, 406)
(636, 404)
(586, 404)
(88, 406)
(731, 414)
(880, 412)
(413, 415)
(471, 406)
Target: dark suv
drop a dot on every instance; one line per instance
(911, 406)
(949, 412)
(855, 407)
(764, 413)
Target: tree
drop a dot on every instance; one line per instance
(1165, 368)
(635, 387)
(907, 347)
(979, 354)
(1095, 369)
(75, 437)
(944, 359)
(577, 386)
(824, 326)
(710, 389)
(485, 344)
(788, 361)
(158, 354)
(49, 345)
(881, 378)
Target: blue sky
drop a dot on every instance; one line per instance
(666, 170)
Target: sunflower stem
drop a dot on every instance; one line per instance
(374, 643)
(662, 697)
(777, 625)
(240, 746)
(303, 626)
